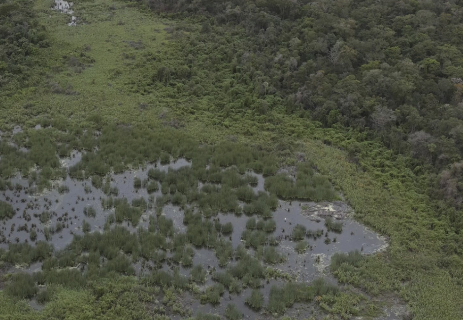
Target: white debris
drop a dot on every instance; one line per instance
(66, 7)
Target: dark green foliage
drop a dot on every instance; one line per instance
(126, 212)
(140, 203)
(251, 223)
(232, 312)
(120, 264)
(152, 187)
(63, 189)
(256, 300)
(6, 210)
(156, 174)
(281, 298)
(21, 39)
(86, 227)
(137, 183)
(254, 238)
(90, 212)
(25, 253)
(332, 225)
(270, 255)
(353, 258)
(308, 185)
(22, 286)
(224, 252)
(301, 247)
(247, 268)
(212, 294)
(270, 226)
(299, 232)
(206, 316)
(44, 296)
(227, 228)
(320, 287)
(228, 281)
(97, 181)
(198, 274)
(58, 227)
(33, 235)
(70, 278)
(314, 234)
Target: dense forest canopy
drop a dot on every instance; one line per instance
(391, 68)
(20, 37)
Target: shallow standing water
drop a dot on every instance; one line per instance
(67, 208)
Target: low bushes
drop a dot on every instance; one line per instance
(353, 258)
(332, 225)
(256, 300)
(6, 210)
(21, 286)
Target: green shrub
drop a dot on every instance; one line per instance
(256, 300)
(69, 278)
(21, 286)
(152, 187)
(86, 226)
(45, 217)
(125, 212)
(314, 234)
(212, 294)
(206, 316)
(63, 189)
(299, 232)
(232, 312)
(270, 226)
(44, 296)
(6, 210)
(281, 298)
(301, 247)
(33, 235)
(137, 183)
(353, 258)
(320, 287)
(120, 264)
(165, 158)
(227, 228)
(332, 225)
(198, 274)
(251, 223)
(247, 266)
(270, 255)
(90, 212)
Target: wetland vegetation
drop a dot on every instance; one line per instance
(204, 160)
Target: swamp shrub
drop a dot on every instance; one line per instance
(232, 312)
(90, 212)
(126, 212)
(283, 297)
(256, 300)
(299, 232)
(198, 274)
(301, 247)
(270, 255)
(86, 226)
(21, 286)
(6, 210)
(353, 258)
(332, 225)
(212, 294)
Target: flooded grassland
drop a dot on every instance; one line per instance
(226, 228)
